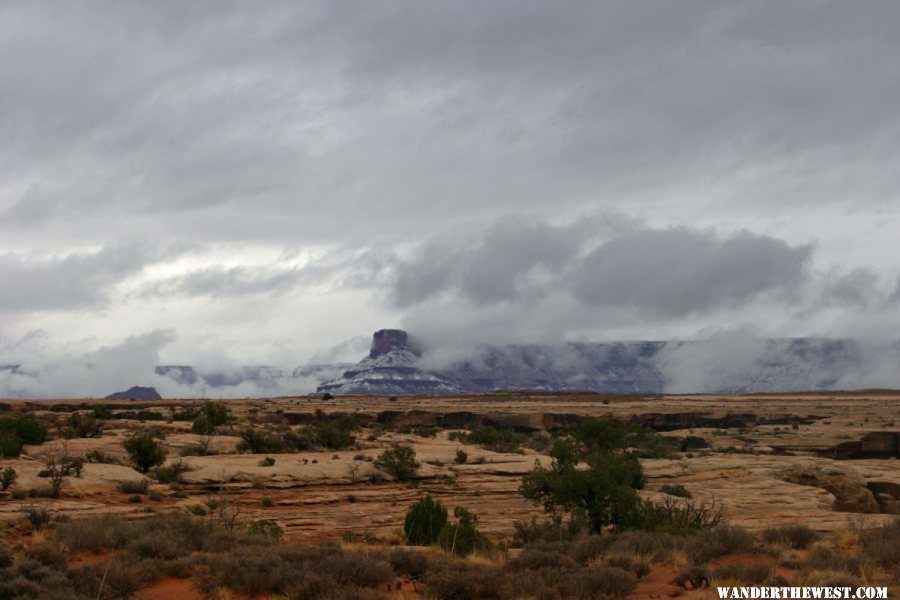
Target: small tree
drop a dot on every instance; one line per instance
(58, 465)
(10, 444)
(145, 451)
(213, 416)
(602, 494)
(7, 477)
(399, 462)
(424, 521)
(462, 537)
(83, 426)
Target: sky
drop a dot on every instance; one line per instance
(229, 183)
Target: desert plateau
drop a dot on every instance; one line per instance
(305, 472)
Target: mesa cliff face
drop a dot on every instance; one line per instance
(390, 369)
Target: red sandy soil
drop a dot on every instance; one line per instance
(170, 588)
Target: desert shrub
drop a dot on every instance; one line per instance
(655, 546)
(490, 438)
(602, 582)
(649, 444)
(6, 557)
(462, 537)
(150, 415)
(719, 541)
(48, 554)
(681, 516)
(157, 545)
(399, 462)
(426, 432)
(145, 451)
(408, 563)
(267, 502)
(102, 412)
(882, 544)
(335, 434)
(155, 496)
(10, 444)
(134, 487)
(30, 579)
(358, 569)
(266, 528)
(301, 441)
(7, 477)
(267, 462)
(87, 534)
(296, 571)
(792, 536)
(97, 456)
(187, 413)
(546, 530)
(542, 556)
(826, 559)
(171, 472)
(467, 581)
(201, 449)
(211, 417)
(83, 426)
(675, 489)
(260, 442)
(26, 428)
(533, 586)
(424, 521)
(38, 516)
(461, 457)
(135, 499)
(112, 532)
(590, 547)
(122, 576)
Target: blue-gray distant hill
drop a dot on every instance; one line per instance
(136, 393)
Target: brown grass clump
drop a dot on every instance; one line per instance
(719, 541)
(882, 544)
(792, 536)
(462, 580)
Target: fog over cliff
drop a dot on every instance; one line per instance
(226, 185)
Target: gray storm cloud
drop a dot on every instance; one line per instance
(663, 272)
(678, 271)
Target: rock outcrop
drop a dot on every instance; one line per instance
(877, 444)
(849, 489)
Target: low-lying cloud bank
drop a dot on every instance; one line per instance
(597, 278)
(730, 362)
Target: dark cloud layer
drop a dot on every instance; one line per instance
(664, 272)
(226, 121)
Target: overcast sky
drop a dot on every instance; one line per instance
(254, 183)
